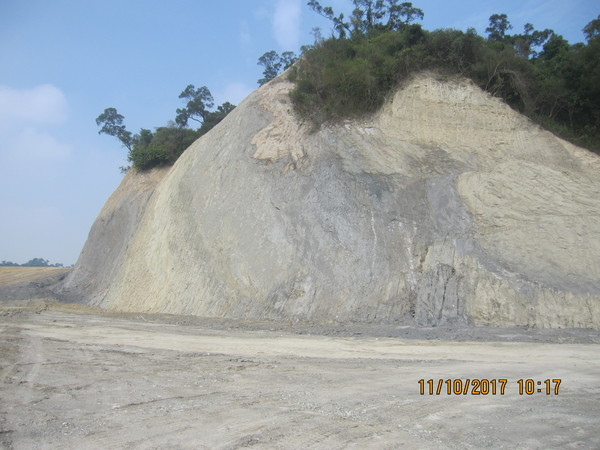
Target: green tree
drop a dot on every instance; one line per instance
(592, 29)
(554, 47)
(149, 149)
(166, 144)
(214, 117)
(37, 262)
(499, 25)
(274, 64)
(200, 100)
(526, 44)
(537, 72)
(161, 148)
(339, 25)
(370, 16)
(143, 139)
(398, 15)
(288, 59)
(112, 124)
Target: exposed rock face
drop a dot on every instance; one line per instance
(446, 206)
(104, 252)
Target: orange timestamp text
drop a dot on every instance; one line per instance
(487, 386)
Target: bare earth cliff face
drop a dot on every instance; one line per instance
(447, 206)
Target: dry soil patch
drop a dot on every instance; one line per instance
(103, 381)
(19, 275)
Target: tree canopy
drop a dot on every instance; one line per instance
(370, 16)
(499, 25)
(274, 64)
(35, 262)
(537, 72)
(200, 100)
(148, 149)
(112, 125)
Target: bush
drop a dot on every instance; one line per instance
(166, 144)
(147, 149)
(343, 78)
(161, 148)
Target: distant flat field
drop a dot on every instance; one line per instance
(19, 275)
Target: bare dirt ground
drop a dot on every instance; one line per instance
(74, 377)
(22, 283)
(18, 275)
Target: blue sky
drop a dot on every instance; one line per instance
(64, 61)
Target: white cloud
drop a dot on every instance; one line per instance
(42, 104)
(26, 119)
(29, 144)
(286, 23)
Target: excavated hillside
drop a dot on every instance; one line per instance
(446, 206)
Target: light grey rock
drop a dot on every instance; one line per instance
(104, 251)
(445, 207)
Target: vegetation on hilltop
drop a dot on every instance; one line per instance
(274, 63)
(35, 262)
(537, 72)
(148, 149)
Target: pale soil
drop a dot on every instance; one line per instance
(76, 377)
(19, 275)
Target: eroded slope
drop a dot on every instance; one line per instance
(445, 206)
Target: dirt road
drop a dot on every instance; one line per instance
(102, 381)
